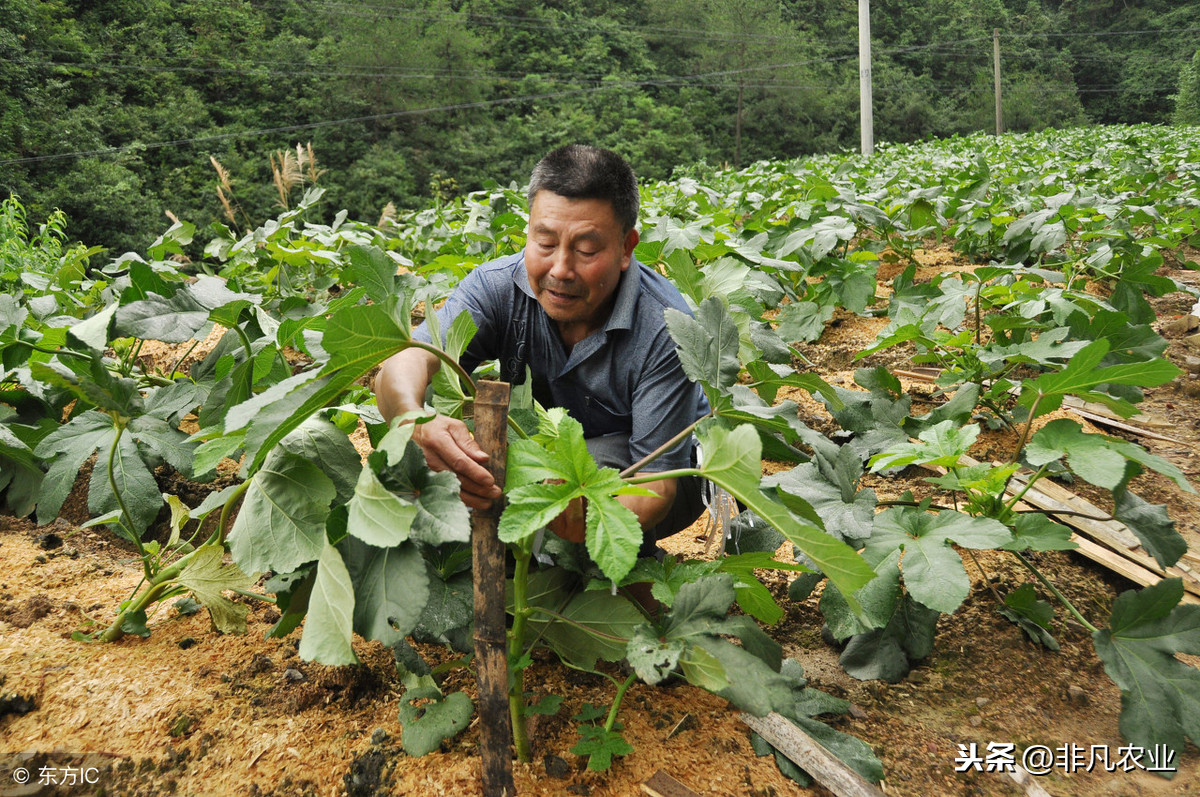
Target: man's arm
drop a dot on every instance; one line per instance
(400, 387)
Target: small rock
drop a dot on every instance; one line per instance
(557, 766)
(1192, 341)
(857, 712)
(378, 736)
(12, 703)
(975, 721)
(1076, 696)
(295, 676)
(49, 541)
(186, 642)
(1191, 364)
(1178, 327)
(916, 677)
(981, 701)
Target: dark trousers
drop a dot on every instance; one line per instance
(612, 451)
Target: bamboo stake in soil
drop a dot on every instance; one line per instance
(491, 654)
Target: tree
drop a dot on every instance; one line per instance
(1187, 101)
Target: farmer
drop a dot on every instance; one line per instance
(586, 317)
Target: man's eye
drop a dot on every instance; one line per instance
(585, 252)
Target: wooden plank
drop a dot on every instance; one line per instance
(1128, 558)
(660, 784)
(810, 756)
(1074, 403)
(1104, 420)
(1123, 566)
(1110, 533)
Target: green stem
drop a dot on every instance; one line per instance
(516, 643)
(666, 474)
(978, 316)
(241, 333)
(1054, 590)
(664, 448)
(459, 371)
(179, 362)
(1026, 432)
(125, 516)
(1016, 499)
(612, 712)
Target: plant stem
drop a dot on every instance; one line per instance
(179, 362)
(516, 644)
(1025, 433)
(125, 516)
(459, 371)
(983, 572)
(1054, 590)
(621, 689)
(664, 448)
(1028, 486)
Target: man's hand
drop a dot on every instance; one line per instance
(448, 445)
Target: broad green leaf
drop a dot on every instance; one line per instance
(613, 536)
(359, 338)
(435, 719)
(933, 571)
(178, 318)
(1032, 615)
(878, 599)
(888, 653)
(391, 588)
(732, 460)
(652, 658)
(1160, 695)
(531, 508)
(803, 321)
(450, 607)
(708, 345)
(942, 444)
(596, 625)
(208, 576)
(1037, 532)
(330, 622)
(67, 448)
(1083, 373)
(1152, 525)
(441, 516)
(134, 481)
(370, 267)
(281, 523)
(376, 515)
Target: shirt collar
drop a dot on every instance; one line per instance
(629, 288)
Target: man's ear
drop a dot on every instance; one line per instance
(631, 241)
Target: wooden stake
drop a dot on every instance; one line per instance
(491, 650)
(808, 754)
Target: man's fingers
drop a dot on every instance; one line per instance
(449, 446)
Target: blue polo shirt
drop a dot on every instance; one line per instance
(622, 379)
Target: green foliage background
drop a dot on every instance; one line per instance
(406, 100)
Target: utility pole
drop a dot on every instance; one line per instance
(996, 78)
(864, 77)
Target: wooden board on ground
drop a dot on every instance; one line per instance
(809, 755)
(1114, 545)
(660, 784)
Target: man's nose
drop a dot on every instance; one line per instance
(562, 265)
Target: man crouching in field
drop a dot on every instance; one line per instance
(586, 317)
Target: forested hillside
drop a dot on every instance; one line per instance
(117, 112)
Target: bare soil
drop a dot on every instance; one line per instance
(190, 711)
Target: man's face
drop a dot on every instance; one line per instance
(574, 256)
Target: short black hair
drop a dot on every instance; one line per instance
(579, 171)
